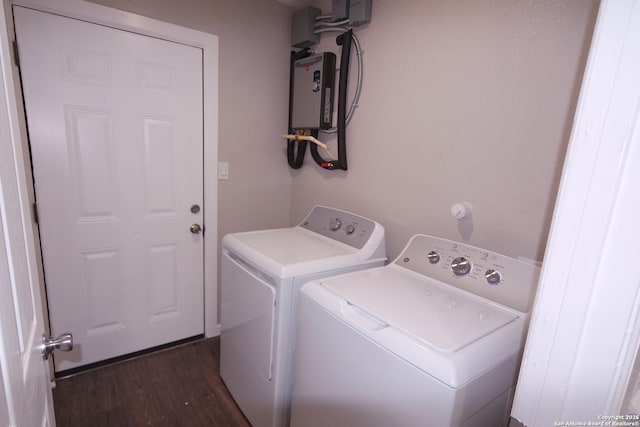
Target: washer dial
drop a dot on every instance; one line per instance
(461, 266)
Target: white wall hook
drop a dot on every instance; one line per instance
(460, 210)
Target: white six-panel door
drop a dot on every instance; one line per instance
(116, 128)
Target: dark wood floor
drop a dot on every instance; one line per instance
(176, 387)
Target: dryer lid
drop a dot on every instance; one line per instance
(293, 245)
(436, 314)
(292, 252)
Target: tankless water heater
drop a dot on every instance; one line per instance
(312, 98)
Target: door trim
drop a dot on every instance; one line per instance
(118, 19)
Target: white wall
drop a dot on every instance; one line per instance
(254, 37)
(467, 100)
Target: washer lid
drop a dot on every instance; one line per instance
(436, 314)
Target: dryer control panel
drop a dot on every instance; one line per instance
(345, 227)
(498, 277)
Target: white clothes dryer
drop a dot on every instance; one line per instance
(262, 272)
(433, 339)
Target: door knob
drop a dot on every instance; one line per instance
(195, 228)
(63, 343)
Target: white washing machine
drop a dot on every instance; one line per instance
(433, 339)
(262, 272)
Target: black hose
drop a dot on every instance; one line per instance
(316, 155)
(345, 39)
(296, 159)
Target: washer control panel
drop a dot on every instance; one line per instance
(494, 276)
(345, 227)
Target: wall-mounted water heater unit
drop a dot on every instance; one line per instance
(312, 91)
(312, 81)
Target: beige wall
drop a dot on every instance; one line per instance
(254, 38)
(466, 100)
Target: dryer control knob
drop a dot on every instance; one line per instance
(433, 257)
(493, 276)
(335, 224)
(349, 229)
(461, 266)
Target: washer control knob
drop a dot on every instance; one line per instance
(493, 276)
(335, 224)
(433, 257)
(349, 229)
(461, 266)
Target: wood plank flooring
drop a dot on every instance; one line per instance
(177, 387)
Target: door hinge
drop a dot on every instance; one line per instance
(35, 213)
(16, 55)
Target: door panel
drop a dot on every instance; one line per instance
(25, 393)
(115, 125)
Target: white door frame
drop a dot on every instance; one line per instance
(114, 18)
